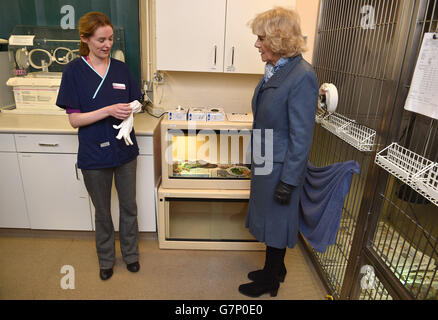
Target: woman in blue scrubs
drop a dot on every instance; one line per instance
(96, 91)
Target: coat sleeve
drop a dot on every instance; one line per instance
(301, 109)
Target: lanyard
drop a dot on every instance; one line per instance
(103, 78)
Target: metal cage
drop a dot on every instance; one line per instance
(386, 247)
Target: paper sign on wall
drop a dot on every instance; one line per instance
(423, 93)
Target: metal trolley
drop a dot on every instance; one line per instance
(387, 246)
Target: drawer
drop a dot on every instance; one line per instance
(145, 144)
(7, 143)
(47, 143)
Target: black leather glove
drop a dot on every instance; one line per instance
(282, 192)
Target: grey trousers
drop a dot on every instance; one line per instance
(98, 184)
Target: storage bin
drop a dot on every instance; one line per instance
(31, 93)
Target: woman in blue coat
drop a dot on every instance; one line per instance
(96, 91)
(284, 106)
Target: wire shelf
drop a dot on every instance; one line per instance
(358, 136)
(416, 171)
(319, 115)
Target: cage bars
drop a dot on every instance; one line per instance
(371, 67)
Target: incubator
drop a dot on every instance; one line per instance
(37, 56)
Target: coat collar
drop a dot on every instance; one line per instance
(277, 79)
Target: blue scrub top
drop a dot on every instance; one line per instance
(84, 89)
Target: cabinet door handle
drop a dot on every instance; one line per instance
(215, 54)
(47, 144)
(232, 56)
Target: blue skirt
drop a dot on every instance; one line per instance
(268, 221)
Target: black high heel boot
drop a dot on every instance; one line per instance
(267, 281)
(258, 274)
(256, 289)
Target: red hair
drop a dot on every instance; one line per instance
(87, 25)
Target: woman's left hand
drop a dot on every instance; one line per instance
(282, 193)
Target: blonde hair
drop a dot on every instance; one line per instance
(87, 25)
(282, 31)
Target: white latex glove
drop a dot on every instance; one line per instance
(126, 125)
(135, 106)
(125, 129)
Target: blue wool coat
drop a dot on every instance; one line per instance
(284, 115)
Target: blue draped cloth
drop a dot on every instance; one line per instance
(322, 197)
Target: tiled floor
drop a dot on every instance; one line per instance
(31, 262)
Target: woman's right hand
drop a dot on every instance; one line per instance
(119, 110)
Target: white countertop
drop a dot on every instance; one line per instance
(144, 124)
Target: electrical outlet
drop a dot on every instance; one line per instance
(158, 77)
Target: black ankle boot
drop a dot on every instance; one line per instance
(257, 288)
(267, 280)
(258, 274)
(270, 251)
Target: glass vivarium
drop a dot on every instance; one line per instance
(206, 219)
(209, 154)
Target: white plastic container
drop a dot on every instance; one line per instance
(36, 94)
(178, 114)
(215, 114)
(197, 114)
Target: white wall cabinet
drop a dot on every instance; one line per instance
(13, 208)
(209, 36)
(190, 35)
(56, 197)
(240, 55)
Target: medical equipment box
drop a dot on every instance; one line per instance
(178, 114)
(215, 114)
(33, 93)
(197, 114)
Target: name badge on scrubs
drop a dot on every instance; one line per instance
(119, 86)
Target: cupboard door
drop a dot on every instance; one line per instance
(240, 55)
(13, 209)
(190, 35)
(56, 196)
(146, 194)
(7, 142)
